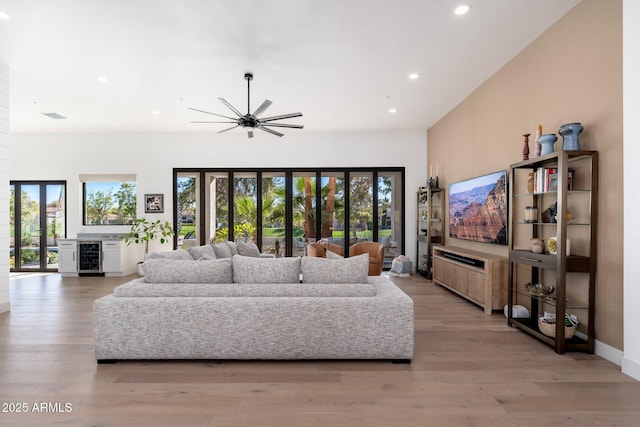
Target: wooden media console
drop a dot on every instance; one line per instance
(477, 276)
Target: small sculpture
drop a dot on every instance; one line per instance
(525, 149)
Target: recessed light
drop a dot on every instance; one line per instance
(414, 76)
(4, 15)
(156, 112)
(102, 79)
(462, 9)
(393, 110)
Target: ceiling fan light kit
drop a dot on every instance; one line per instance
(252, 121)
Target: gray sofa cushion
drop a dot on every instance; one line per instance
(178, 254)
(198, 252)
(248, 249)
(266, 270)
(346, 270)
(175, 271)
(140, 288)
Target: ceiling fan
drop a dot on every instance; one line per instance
(252, 121)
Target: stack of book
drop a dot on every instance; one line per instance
(546, 180)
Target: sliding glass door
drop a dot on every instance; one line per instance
(283, 210)
(37, 219)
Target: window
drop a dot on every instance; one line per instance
(109, 199)
(283, 210)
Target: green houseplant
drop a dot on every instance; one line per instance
(143, 230)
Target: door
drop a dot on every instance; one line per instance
(37, 217)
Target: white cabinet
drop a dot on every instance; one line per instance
(117, 259)
(67, 257)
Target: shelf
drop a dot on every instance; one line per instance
(551, 301)
(580, 168)
(531, 326)
(574, 263)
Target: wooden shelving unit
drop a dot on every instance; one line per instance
(572, 269)
(429, 219)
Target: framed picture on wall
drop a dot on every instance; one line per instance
(153, 203)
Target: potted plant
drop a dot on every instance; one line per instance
(143, 230)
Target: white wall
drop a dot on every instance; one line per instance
(4, 188)
(631, 84)
(153, 156)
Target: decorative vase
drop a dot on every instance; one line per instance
(525, 149)
(536, 245)
(530, 182)
(547, 141)
(570, 133)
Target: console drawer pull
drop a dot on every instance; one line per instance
(530, 259)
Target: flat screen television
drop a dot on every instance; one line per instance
(478, 209)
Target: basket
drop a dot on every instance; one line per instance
(548, 328)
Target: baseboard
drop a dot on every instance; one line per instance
(609, 353)
(5, 306)
(631, 368)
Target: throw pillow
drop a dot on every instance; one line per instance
(198, 251)
(206, 256)
(178, 254)
(248, 249)
(266, 270)
(345, 270)
(222, 250)
(233, 246)
(175, 271)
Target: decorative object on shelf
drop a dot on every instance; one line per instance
(547, 141)
(536, 245)
(525, 149)
(538, 147)
(547, 325)
(539, 289)
(516, 311)
(531, 182)
(153, 203)
(550, 214)
(552, 246)
(530, 214)
(569, 216)
(570, 133)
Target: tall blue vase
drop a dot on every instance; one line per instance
(570, 132)
(546, 142)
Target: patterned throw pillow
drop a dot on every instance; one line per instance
(248, 249)
(345, 270)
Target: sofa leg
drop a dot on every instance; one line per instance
(401, 361)
(107, 361)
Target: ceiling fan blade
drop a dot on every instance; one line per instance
(231, 107)
(284, 125)
(283, 116)
(232, 127)
(263, 107)
(214, 114)
(197, 121)
(269, 130)
(250, 134)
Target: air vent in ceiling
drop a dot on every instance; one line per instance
(54, 116)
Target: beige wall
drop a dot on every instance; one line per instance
(571, 73)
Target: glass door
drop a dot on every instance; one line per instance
(37, 221)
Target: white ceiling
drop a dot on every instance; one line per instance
(342, 63)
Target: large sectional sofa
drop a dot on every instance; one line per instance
(246, 307)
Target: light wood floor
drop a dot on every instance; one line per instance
(469, 370)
